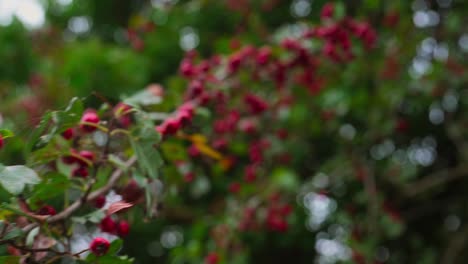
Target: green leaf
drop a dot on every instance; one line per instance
(52, 185)
(119, 163)
(37, 140)
(143, 98)
(6, 133)
(285, 178)
(70, 116)
(115, 246)
(14, 178)
(62, 120)
(143, 142)
(94, 217)
(107, 259)
(10, 259)
(13, 233)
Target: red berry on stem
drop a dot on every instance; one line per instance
(91, 117)
(123, 228)
(68, 134)
(250, 174)
(46, 210)
(80, 172)
(193, 151)
(189, 176)
(70, 159)
(187, 69)
(212, 258)
(263, 55)
(234, 187)
(86, 154)
(108, 225)
(327, 11)
(255, 104)
(100, 201)
(99, 246)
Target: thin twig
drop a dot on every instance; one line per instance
(436, 179)
(93, 195)
(455, 246)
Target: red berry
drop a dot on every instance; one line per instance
(121, 112)
(100, 201)
(276, 222)
(234, 62)
(70, 159)
(1, 141)
(80, 172)
(248, 125)
(234, 187)
(402, 125)
(99, 246)
(187, 69)
(86, 154)
(46, 210)
(68, 134)
(184, 117)
(189, 176)
(212, 258)
(123, 228)
(255, 104)
(327, 11)
(263, 55)
(193, 151)
(286, 209)
(220, 144)
(250, 174)
(108, 225)
(89, 117)
(195, 89)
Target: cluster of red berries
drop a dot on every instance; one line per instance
(82, 159)
(277, 214)
(275, 219)
(134, 35)
(109, 225)
(182, 116)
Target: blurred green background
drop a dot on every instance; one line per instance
(52, 50)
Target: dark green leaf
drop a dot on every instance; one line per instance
(52, 185)
(143, 142)
(70, 116)
(115, 246)
(37, 140)
(13, 233)
(114, 260)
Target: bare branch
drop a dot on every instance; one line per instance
(93, 195)
(436, 179)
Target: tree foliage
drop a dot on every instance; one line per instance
(234, 132)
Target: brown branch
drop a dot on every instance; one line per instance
(455, 246)
(436, 179)
(93, 195)
(12, 243)
(373, 205)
